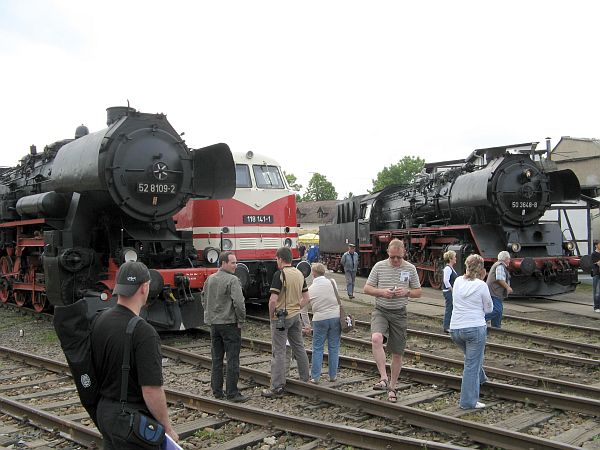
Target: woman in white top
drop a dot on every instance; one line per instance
(325, 324)
(471, 301)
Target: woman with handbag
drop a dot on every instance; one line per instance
(325, 324)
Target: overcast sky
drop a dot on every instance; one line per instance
(342, 88)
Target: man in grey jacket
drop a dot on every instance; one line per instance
(225, 312)
(350, 264)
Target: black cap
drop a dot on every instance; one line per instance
(129, 278)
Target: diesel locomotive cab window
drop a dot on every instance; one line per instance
(268, 177)
(242, 176)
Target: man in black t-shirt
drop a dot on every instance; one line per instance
(145, 391)
(596, 275)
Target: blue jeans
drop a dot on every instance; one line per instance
(596, 284)
(350, 277)
(496, 315)
(448, 312)
(331, 330)
(472, 342)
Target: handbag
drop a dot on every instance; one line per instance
(132, 425)
(346, 320)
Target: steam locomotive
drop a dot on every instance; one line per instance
(70, 215)
(491, 201)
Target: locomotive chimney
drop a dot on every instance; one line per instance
(114, 113)
(81, 130)
(33, 150)
(548, 148)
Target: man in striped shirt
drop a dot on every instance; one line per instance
(392, 282)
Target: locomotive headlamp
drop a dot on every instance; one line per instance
(287, 242)
(227, 244)
(569, 246)
(528, 173)
(514, 247)
(225, 229)
(129, 254)
(211, 255)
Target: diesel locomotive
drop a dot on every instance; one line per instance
(72, 213)
(491, 201)
(259, 219)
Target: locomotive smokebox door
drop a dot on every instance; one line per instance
(214, 172)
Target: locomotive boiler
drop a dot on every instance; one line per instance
(492, 201)
(71, 214)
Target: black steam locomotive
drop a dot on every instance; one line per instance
(490, 202)
(70, 215)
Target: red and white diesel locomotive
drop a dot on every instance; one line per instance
(260, 218)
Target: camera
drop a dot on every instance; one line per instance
(280, 315)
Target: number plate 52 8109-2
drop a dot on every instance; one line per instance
(157, 188)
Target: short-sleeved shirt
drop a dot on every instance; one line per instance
(108, 341)
(289, 293)
(384, 275)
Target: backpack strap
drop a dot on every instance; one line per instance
(126, 357)
(335, 291)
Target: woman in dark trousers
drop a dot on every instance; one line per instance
(448, 281)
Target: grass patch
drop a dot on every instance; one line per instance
(585, 288)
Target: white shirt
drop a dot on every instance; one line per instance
(471, 300)
(323, 301)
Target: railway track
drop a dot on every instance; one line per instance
(355, 393)
(272, 424)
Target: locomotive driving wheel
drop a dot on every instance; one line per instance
(5, 269)
(422, 274)
(23, 296)
(39, 301)
(437, 276)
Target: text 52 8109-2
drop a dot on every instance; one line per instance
(157, 188)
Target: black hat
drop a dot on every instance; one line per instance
(129, 278)
(351, 245)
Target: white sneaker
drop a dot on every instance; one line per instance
(597, 310)
(479, 405)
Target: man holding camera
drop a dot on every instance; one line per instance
(289, 294)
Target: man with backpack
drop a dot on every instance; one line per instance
(108, 337)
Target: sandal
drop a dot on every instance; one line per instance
(392, 398)
(382, 385)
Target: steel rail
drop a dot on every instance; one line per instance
(477, 432)
(535, 355)
(583, 404)
(90, 437)
(300, 425)
(480, 433)
(562, 344)
(343, 434)
(544, 323)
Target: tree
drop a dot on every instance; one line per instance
(400, 173)
(292, 181)
(319, 189)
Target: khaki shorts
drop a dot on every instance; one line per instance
(391, 323)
